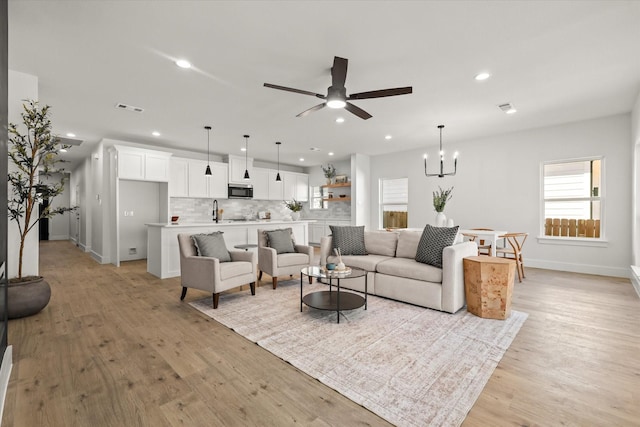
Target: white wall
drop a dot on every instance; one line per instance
(635, 142)
(361, 183)
(142, 199)
(498, 186)
(21, 86)
(59, 224)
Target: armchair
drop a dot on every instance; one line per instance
(274, 264)
(211, 275)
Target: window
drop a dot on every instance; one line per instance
(394, 199)
(573, 198)
(316, 199)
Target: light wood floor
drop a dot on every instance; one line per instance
(116, 347)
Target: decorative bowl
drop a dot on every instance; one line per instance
(175, 218)
(331, 266)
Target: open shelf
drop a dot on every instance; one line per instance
(337, 199)
(346, 184)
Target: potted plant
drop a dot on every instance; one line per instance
(295, 207)
(329, 172)
(440, 199)
(34, 155)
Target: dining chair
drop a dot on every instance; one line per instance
(483, 248)
(516, 242)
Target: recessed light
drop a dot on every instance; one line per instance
(482, 76)
(71, 135)
(511, 111)
(340, 120)
(243, 149)
(183, 63)
(301, 159)
(155, 133)
(388, 137)
(331, 153)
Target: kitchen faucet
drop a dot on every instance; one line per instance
(215, 210)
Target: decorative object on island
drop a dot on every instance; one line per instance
(35, 155)
(295, 207)
(455, 161)
(207, 171)
(246, 158)
(278, 175)
(440, 199)
(329, 172)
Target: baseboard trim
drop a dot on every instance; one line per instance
(59, 237)
(635, 278)
(598, 270)
(99, 258)
(5, 374)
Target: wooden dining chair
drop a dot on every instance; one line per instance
(514, 250)
(483, 248)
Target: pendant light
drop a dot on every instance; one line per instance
(207, 172)
(278, 175)
(442, 174)
(246, 157)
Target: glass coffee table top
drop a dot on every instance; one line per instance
(322, 273)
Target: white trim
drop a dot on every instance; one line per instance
(635, 278)
(59, 237)
(573, 241)
(101, 259)
(5, 374)
(599, 270)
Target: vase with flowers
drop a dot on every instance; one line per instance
(440, 199)
(295, 207)
(329, 173)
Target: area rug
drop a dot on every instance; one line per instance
(410, 365)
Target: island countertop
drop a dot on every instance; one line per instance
(226, 223)
(163, 256)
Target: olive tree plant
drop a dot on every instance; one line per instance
(34, 154)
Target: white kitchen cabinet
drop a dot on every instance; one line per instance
(260, 180)
(219, 181)
(142, 165)
(178, 177)
(276, 188)
(296, 186)
(237, 166)
(198, 181)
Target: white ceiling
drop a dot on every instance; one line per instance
(556, 61)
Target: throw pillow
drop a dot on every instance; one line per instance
(212, 245)
(350, 239)
(432, 242)
(281, 240)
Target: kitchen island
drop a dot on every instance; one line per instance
(163, 256)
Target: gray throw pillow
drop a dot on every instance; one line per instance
(432, 243)
(212, 245)
(281, 240)
(350, 239)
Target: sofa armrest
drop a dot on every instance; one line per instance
(267, 260)
(453, 274)
(199, 272)
(326, 245)
(246, 256)
(303, 249)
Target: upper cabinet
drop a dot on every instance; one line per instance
(260, 180)
(296, 186)
(188, 179)
(237, 166)
(142, 165)
(276, 188)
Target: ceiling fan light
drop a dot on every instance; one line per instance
(336, 103)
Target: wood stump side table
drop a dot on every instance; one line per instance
(488, 285)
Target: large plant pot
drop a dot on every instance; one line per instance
(27, 297)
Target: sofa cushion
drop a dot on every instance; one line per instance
(350, 239)
(411, 269)
(408, 244)
(289, 259)
(381, 242)
(233, 269)
(367, 263)
(432, 242)
(281, 240)
(212, 245)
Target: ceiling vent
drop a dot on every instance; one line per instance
(122, 106)
(507, 108)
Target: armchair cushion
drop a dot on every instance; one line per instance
(212, 245)
(281, 240)
(432, 242)
(290, 259)
(350, 239)
(233, 269)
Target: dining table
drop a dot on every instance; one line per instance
(491, 236)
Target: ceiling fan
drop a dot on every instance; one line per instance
(337, 94)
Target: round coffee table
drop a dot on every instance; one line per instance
(333, 300)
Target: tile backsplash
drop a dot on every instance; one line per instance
(201, 210)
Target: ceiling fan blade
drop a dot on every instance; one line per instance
(357, 111)
(290, 89)
(382, 93)
(312, 109)
(339, 71)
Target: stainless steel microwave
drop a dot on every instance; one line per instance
(239, 191)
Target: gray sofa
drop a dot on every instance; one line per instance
(392, 271)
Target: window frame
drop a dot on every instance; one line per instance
(570, 240)
(381, 205)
